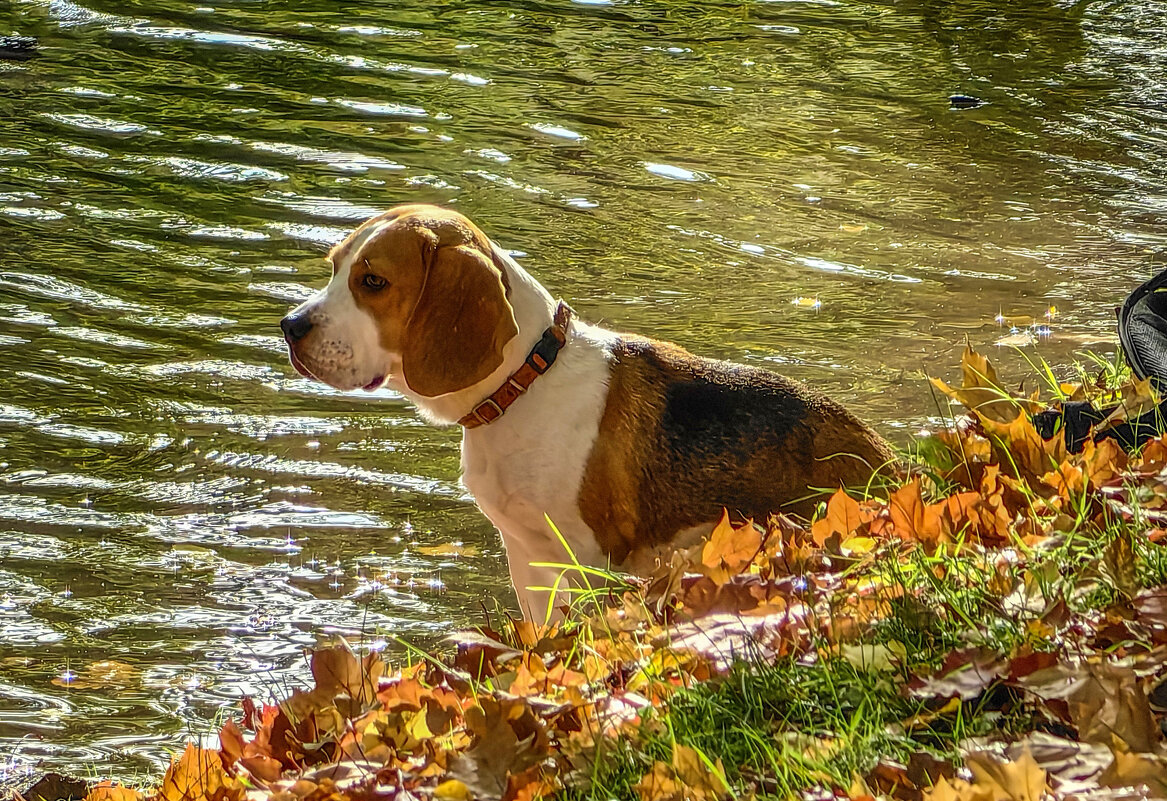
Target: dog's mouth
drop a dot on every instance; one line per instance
(299, 365)
(372, 386)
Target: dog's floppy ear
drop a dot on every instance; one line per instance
(462, 322)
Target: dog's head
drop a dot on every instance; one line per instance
(416, 298)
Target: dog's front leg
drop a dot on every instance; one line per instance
(542, 591)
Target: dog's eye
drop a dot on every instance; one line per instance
(374, 281)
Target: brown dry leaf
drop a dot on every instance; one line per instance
(907, 511)
(955, 790)
(1137, 398)
(687, 778)
(1102, 461)
(1032, 455)
(729, 549)
(1153, 457)
(702, 778)
(529, 785)
(1067, 479)
(994, 780)
(1137, 770)
(844, 517)
(1020, 780)
(1105, 701)
(981, 391)
(338, 671)
(659, 784)
(508, 739)
(112, 791)
(1120, 566)
(198, 775)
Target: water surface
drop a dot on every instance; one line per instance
(781, 183)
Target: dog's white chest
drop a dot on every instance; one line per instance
(528, 465)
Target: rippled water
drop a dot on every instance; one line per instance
(179, 508)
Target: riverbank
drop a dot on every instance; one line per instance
(993, 626)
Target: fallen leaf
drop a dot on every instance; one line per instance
(111, 791)
(198, 775)
(729, 549)
(981, 391)
(1105, 702)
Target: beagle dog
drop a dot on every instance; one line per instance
(630, 446)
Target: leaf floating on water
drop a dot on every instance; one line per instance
(107, 673)
(455, 549)
(1017, 339)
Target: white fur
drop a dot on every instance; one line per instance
(346, 351)
(525, 467)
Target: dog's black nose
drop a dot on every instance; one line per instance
(296, 327)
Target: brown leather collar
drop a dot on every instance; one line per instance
(539, 361)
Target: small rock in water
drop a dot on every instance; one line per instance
(964, 101)
(17, 47)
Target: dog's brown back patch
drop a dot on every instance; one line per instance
(683, 437)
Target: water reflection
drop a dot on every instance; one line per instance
(776, 182)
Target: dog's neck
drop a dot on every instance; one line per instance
(534, 310)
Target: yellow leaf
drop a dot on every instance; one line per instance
(417, 728)
(1137, 400)
(1022, 780)
(109, 791)
(198, 775)
(452, 790)
(981, 391)
(704, 779)
(729, 549)
(858, 545)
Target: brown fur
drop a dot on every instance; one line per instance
(683, 437)
(445, 307)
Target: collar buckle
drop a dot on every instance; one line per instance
(538, 362)
(480, 411)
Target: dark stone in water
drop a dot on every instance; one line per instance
(964, 101)
(17, 47)
(55, 787)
